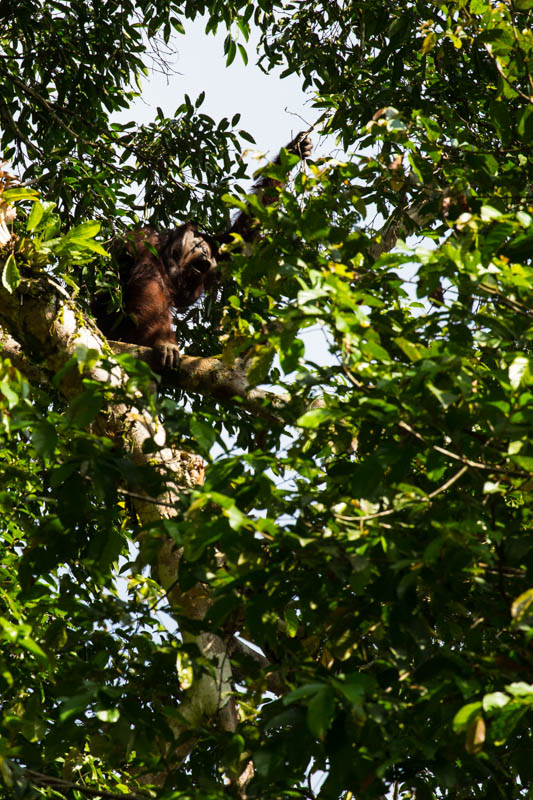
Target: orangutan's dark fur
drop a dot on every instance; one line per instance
(159, 271)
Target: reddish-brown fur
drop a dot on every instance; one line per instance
(159, 271)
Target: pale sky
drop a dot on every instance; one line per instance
(273, 110)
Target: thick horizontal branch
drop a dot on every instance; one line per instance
(36, 312)
(210, 376)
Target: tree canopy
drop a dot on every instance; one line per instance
(280, 575)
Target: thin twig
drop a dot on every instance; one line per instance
(478, 464)
(387, 513)
(499, 67)
(45, 104)
(464, 459)
(448, 483)
(4, 111)
(145, 498)
(59, 784)
(524, 59)
(514, 305)
(390, 511)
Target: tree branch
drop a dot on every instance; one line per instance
(39, 779)
(212, 377)
(395, 227)
(504, 77)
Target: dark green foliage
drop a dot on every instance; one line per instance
(378, 546)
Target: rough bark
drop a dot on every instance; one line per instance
(211, 376)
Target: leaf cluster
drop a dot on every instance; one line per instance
(377, 539)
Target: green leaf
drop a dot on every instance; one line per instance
(465, 715)
(494, 701)
(355, 687)
(413, 351)
(86, 230)
(10, 274)
(203, 433)
(260, 364)
(231, 51)
(320, 712)
(35, 217)
(503, 725)
(488, 213)
(84, 409)
(525, 124)
(12, 396)
(373, 350)
(76, 704)
(19, 193)
(236, 518)
(446, 399)
(291, 622)
(520, 689)
(108, 714)
(244, 54)
(290, 356)
(525, 462)
(32, 647)
(307, 690)
(309, 296)
(429, 43)
(314, 418)
(89, 244)
(519, 371)
(522, 609)
(44, 438)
